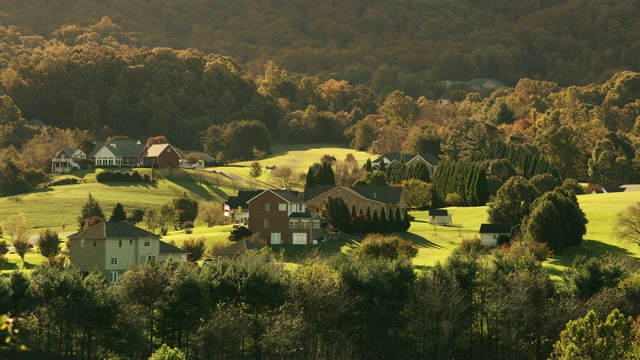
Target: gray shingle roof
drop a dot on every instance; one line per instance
(112, 229)
(166, 248)
(495, 228)
(128, 148)
(288, 195)
(239, 248)
(438, 212)
(433, 160)
(383, 194)
(301, 215)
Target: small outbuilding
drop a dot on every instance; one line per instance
(489, 233)
(239, 248)
(439, 216)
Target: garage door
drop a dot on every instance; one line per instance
(299, 238)
(276, 238)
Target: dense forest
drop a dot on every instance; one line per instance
(477, 304)
(390, 44)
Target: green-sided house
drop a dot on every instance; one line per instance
(112, 247)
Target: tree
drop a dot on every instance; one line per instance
(136, 216)
(417, 193)
(283, 175)
(160, 139)
(151, 220)
(18, 230)
(336, 214)
(118, 213)
(89, 209)
(195, 247)
(256, 170)
(320, 174)
(512, 203)
(167, 353)
(399, 109)
(239, 233)
(48, 243)
(186, 208)
(210, 213)
(628, 223)
(389, 247)
(166, 217)
(590, 338)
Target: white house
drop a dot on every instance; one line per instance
(489, 233)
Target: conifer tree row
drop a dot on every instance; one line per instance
(464, 178)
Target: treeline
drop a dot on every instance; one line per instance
(460, 183)
(368, 305)
(399, 45)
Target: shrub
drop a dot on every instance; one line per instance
(187, 226)
(239, 233)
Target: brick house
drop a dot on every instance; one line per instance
(282, 217)
(375, 198)
(160, 155)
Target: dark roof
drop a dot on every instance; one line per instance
(614, 190)
(200, 155)
(438, 212)
(113, 229)
(287, 195)
(383, 194)
(433, 160)
(306, 214)
(495, 228)
(36, 122)
(128, 148)
(242, 198)
(166, 248)
(239, 248)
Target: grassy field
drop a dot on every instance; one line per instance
(55, 206)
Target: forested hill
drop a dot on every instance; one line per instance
(389, 44)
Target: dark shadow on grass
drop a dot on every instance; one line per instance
(129, 184)
(420, 241)
(588, 248)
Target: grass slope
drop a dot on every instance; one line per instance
(52, 207)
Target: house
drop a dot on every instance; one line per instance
(67, 160)
(607, 190)
(208, 160)
(479, 84)
(374, 198)
(282, 217)
(439, 216)
(489, 233)
(239, 248)
(112, 247)
(238, 207)
(160, 156)
(409, 159)
(117, 153)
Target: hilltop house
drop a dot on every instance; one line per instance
(374, 198)
(489, 233)
(112, 247)
(282, 217)
(409, 159)
(67, 160)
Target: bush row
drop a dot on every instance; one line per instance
(126, 176)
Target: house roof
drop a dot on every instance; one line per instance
(631, 187)
(242, 198)
(166, 248)
(495, 228)
(382, 194)
(127, 148)
(438, 212)
(36, 122)
(482, 82)
(433, 160)
(614, 189)
(200, 155)
(286, 195)
(306, 214)
(112, 229)
(99, 145)
(239, 248)
(156, 149)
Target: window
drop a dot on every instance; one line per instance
(114, 260)
(152, 258)
(267, 207)
(94, 243)
(293, 224)
(304, 224)
(141, 259)
(130, 241)
(300, 208)
(114, 277)
(147, 242)
(266, 223)
(282, 207)
(316, 224)
(81, 242)
(120, 243)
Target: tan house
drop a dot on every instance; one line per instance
(374, 198)
(112, 247)
(282, 217)
(67, 160)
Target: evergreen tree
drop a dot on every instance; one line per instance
(383, 221)
(336, 214)
(367, 166)
(90, 209)
(118, 213)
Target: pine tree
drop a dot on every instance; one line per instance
(367, 166)
(90, 209)
(118, 213)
